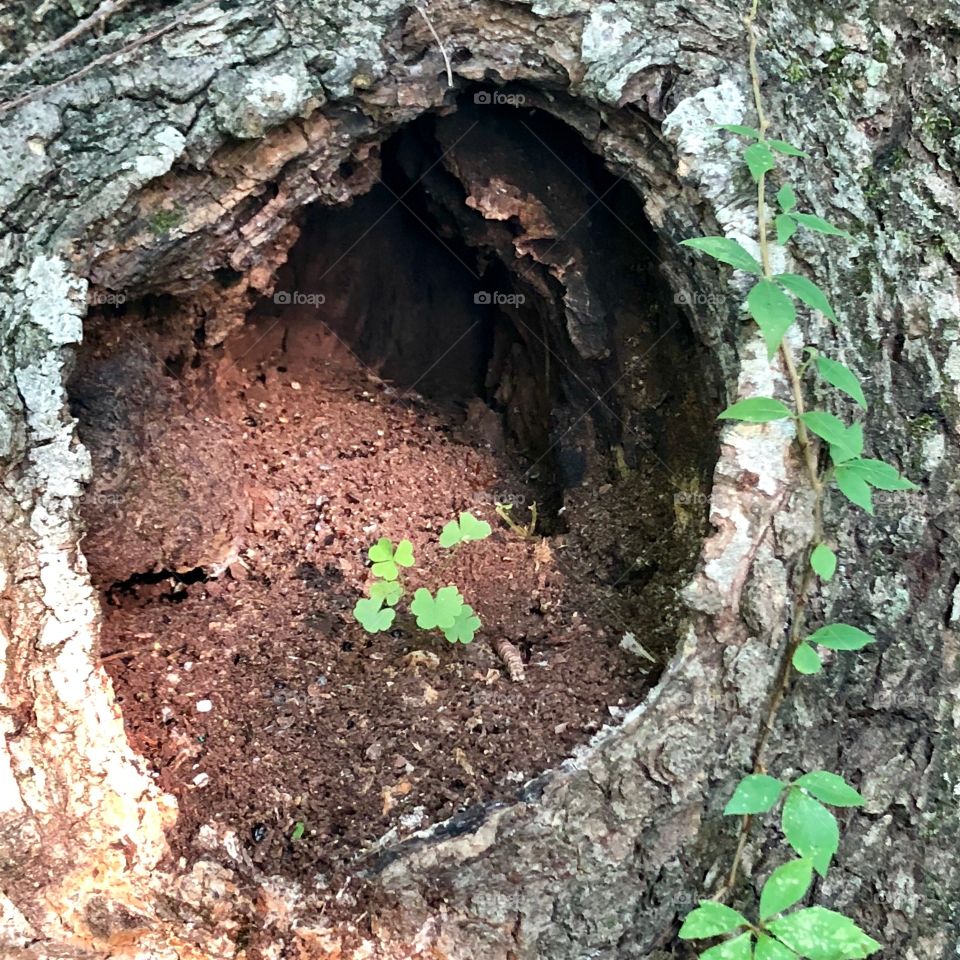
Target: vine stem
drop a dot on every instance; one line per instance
(781, 684)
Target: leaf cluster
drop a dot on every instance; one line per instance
(446, 611)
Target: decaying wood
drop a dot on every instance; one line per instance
(511, 658)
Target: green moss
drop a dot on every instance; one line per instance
(163, 221)
(796, 71)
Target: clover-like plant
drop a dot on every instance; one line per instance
(464, 530)
(387, 558)
(446, 611)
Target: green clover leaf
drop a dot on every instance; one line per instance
(386, 591)
(372, 615)
(464, 627)
(464, 530)
(387, 559)
(439, 611)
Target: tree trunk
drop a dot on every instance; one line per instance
(147, 167)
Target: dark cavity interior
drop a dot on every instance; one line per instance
(485, 329)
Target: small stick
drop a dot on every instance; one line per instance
(99, 16)
(511, 658)
(436, 36)
(135, 44)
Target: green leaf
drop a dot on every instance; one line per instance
(474, 529)
(726, 251)
(298, 830)
(806, 660)
(711, 919)
(834, 431)
(740, 129)
(811, 829)
(464, 626)
(759, 159)
(842, 377)
(385, 558)
(786, 885)
(739, 948)
(773, 312)
(822, 934)
(468, 528)
(812, 222)
(786, 198)
(880, 475)
(852, 446)
(770, 949)
(807, 291)
(386, 591)
(854, 488)
(381, 551)
(403, 555)
(823, 561)
(829, 788)
(757, 410)
(439, 611)
(755, 793)
(841, 636)
(372, 615)
(781, 146)
(786, 228)
(450, 535)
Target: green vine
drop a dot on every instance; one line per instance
(831, 452)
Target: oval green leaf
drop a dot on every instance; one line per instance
(757, 410)
(739, 948)
(756, 793)
(773, 312)
(822, 934)
(829, 788)
(811, 829)
(842, 377)
(786, 198)
(807, 291)
(806, 660)
(726, 251)
(785, 886)
(841, 636)
(711, 919)
(812, 222)
(854, 487)
(759, 160)
(786, 228)
(823, 561)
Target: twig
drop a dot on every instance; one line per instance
(511, 658)
(106, 10)
(436, 36)
(107, 57)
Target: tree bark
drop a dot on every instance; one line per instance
(182, 141)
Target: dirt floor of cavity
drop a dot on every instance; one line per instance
(261, 704)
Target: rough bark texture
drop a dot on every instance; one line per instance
(189, 155)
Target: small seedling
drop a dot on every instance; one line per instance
(446, 611)
(464, 530)
(387, 559)
(524, 530)
(299, 829)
